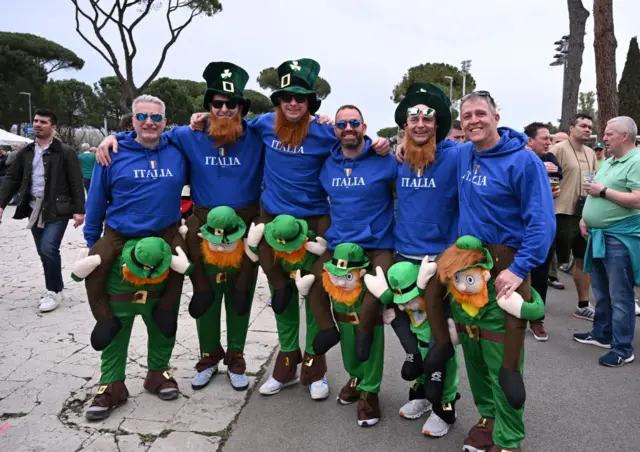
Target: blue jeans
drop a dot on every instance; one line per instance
(48, 241)
(613, 286)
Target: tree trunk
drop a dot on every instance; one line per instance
(578, 16)
(129, 92)
(605, 45)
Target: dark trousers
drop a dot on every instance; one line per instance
(109, 248)
(48, 241)
(198, 278)
(540, 275)
(87, 183)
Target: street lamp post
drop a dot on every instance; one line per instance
(30, 117)
(450, 89)
(466, 65)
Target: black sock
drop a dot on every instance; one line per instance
(583, 304)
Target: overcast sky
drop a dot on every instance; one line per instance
(363, 46)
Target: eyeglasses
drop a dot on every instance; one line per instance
(354, 123)
(218, 104)
(426, 112)
(287, 97)
(485, 94)
(155, 117)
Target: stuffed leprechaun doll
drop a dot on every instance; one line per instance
(134, 286)
(343, 281)
(222, 251)
(467, 269)
(405, 288)
(295, 247)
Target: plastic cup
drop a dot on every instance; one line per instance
(588, 176)
(555, 181)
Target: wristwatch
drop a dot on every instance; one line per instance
(603, 192)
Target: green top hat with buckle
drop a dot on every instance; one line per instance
(432, 96)
(346, 257)
(298, 77)
(286, 233)
(223, 226)
(147, 258)
(403, 282)
(469, 242)
(227, 79)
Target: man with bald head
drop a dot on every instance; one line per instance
(560, 136)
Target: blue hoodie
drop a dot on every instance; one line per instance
(427, 221)
(505, 198)
(361, 197)
(138, 193)
(229, 175)
(291, 174)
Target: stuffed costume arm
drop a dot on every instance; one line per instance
(318, 247)
(304, 283)
(180, 263)
(517, 307)
(84, 265)
(378, 286)
(256, 232)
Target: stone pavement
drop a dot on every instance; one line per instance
(49, 372)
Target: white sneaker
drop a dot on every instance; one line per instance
(435, 426)
(202, 379)
(319, 389)
(637, 308)
(50, 301)
(415, 408)
(273, 386)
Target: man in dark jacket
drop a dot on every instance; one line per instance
(47, 174)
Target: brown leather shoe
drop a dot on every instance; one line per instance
(480, 436)
(504, 449)
(368, 409)
(107, 398)
(162, 384)
(349, 393)
(286, 366)
(314, 367)
(539, 333)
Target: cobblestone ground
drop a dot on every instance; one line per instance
(49, 372)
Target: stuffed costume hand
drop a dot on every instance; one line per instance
(180, 263)
(256, 232)
(427, 270)
(84, 265)
(304, 283)
(378, 285)
(318, 247)
(183, 229)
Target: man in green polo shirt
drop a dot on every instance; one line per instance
(599, 148)
(611, 224)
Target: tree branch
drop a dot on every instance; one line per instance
(134, 49)
(108, 16)
(123, 39)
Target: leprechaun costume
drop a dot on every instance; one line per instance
(468, 270)
(295, 247)
(134, 286)
(406, 286)
(222, 251)
(343, 281)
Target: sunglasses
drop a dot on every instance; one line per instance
(155, 117)
(218, 104)
(354, 123)
(288, 97)
(426, 112)
(485, 94)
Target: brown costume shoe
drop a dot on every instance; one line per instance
(504, 449)
(313, 368)
(368, 409)
(349, 393)
(236, 370)
(480, 437)
(161, 383)
(107, 398)
(286, 366)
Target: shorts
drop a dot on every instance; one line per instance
(569, 239)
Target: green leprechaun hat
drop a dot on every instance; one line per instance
(298, 77)
(403, 282)
(286, 233)
(147, 258)
(346, 257)
(228, 79)
(432, 96)
(469, 242)
(223, 226)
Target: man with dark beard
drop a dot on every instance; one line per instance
(297, 146)
(226, 166)
(427, 220)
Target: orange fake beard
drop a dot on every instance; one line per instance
(225, 130)
(220, 259)
(419, 156)
(339, 294)
(137, 281)
(291, 133)
(293, 257)
(477, 300)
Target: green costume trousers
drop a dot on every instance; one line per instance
(159, 348)
(288, 324)
(451, 379)
(369, 372)
(208, 325)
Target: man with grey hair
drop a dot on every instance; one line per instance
(137, 196)
(611, 224)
